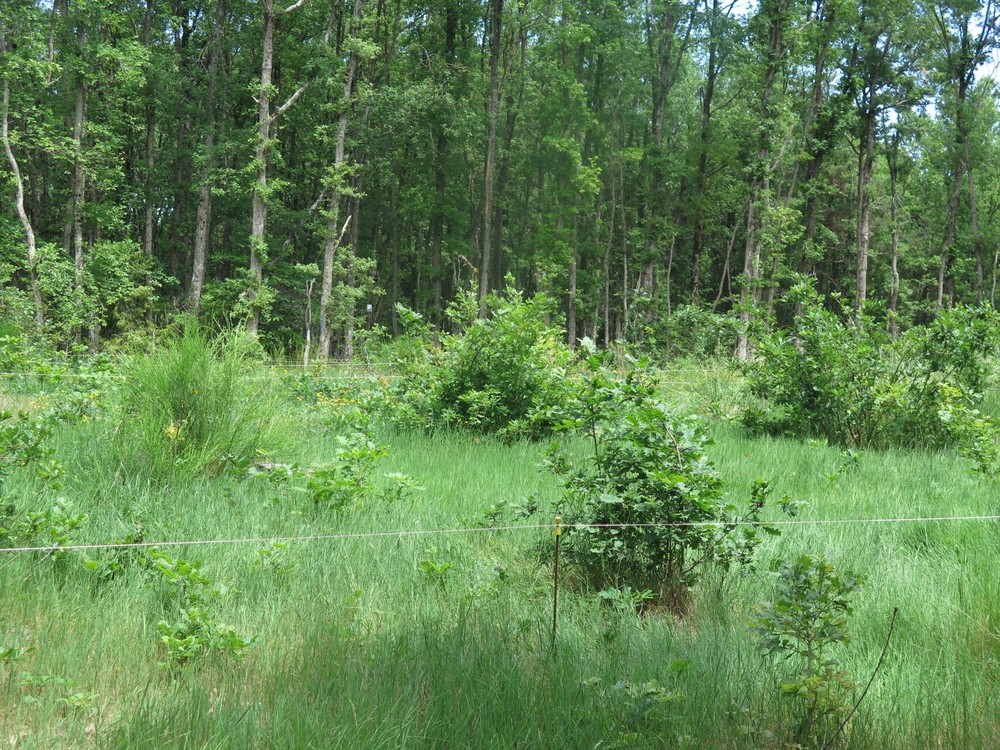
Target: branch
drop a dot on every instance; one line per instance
(294, 6)
(319, 199)
(343, 231)
(291, 100)
(878, 667)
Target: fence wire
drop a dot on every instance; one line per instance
(400, 533)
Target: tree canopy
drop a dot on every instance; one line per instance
(287, 165)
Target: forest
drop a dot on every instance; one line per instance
(499, 374)
(312, 170)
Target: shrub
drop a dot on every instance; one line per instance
(692, 331)
(647, 508)
(506, 374)
(807, 619)
(847, 380)
(192, 406)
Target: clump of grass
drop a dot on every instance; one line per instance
(191, 406)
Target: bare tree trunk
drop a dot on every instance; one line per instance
(571, 302)
(440, 179)
(724, 276)
(670, 271)
(974, 225)
(866, 161)
(79, 186)
(350, 275)
(394, 253)
(948, 250)
(29, 231)
(751, 272)
(308, 321)
(203, 221)
(761, 187)
(265, 121)
(993, 284)
(607, 268)
(333, 236)
(705, 135)
(485, 260)
(894, 215)
(258, 222)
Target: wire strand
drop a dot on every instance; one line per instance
(484, 529)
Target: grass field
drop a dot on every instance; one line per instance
(428, 640)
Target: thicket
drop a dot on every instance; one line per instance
(843, 377)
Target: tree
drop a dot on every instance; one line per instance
(967, 32)
(6, 49)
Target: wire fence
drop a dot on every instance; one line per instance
(401, 533)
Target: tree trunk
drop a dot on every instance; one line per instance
(761, 188)
(203, 221)
(701, 176)
(947, 252)
(258, 222)
(78, 188)
(866, 161)
(334, 233)
(22, 215)
(485, 259)
(394, 252)
(892, 157)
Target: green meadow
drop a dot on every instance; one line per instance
(418, 618)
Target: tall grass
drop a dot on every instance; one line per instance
(358, 647)
(193, 405)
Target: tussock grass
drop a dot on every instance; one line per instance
(191, 406)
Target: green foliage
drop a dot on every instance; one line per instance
(26, 447)
(196, 632)
(24, 441)
(850, 382)
(435, 564)
(112, 288)
(53, 527)
(273, 557)
(346, 483)
(507, 374)
(692, 331)
(117, 561)
(343, 484)
(807, 619)
(191, 406)
(648, 507)
(644, 712)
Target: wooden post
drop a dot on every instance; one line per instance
(555, 580)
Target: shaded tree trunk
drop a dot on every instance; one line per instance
(493, 109)
(334, 233)
(203, 220)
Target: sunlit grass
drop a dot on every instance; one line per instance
(359, 646)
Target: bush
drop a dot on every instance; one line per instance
(804, 623)
(648, 508)
(848, 381)
(191, 406)
(506, 374)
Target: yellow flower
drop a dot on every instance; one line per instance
(172, 431)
